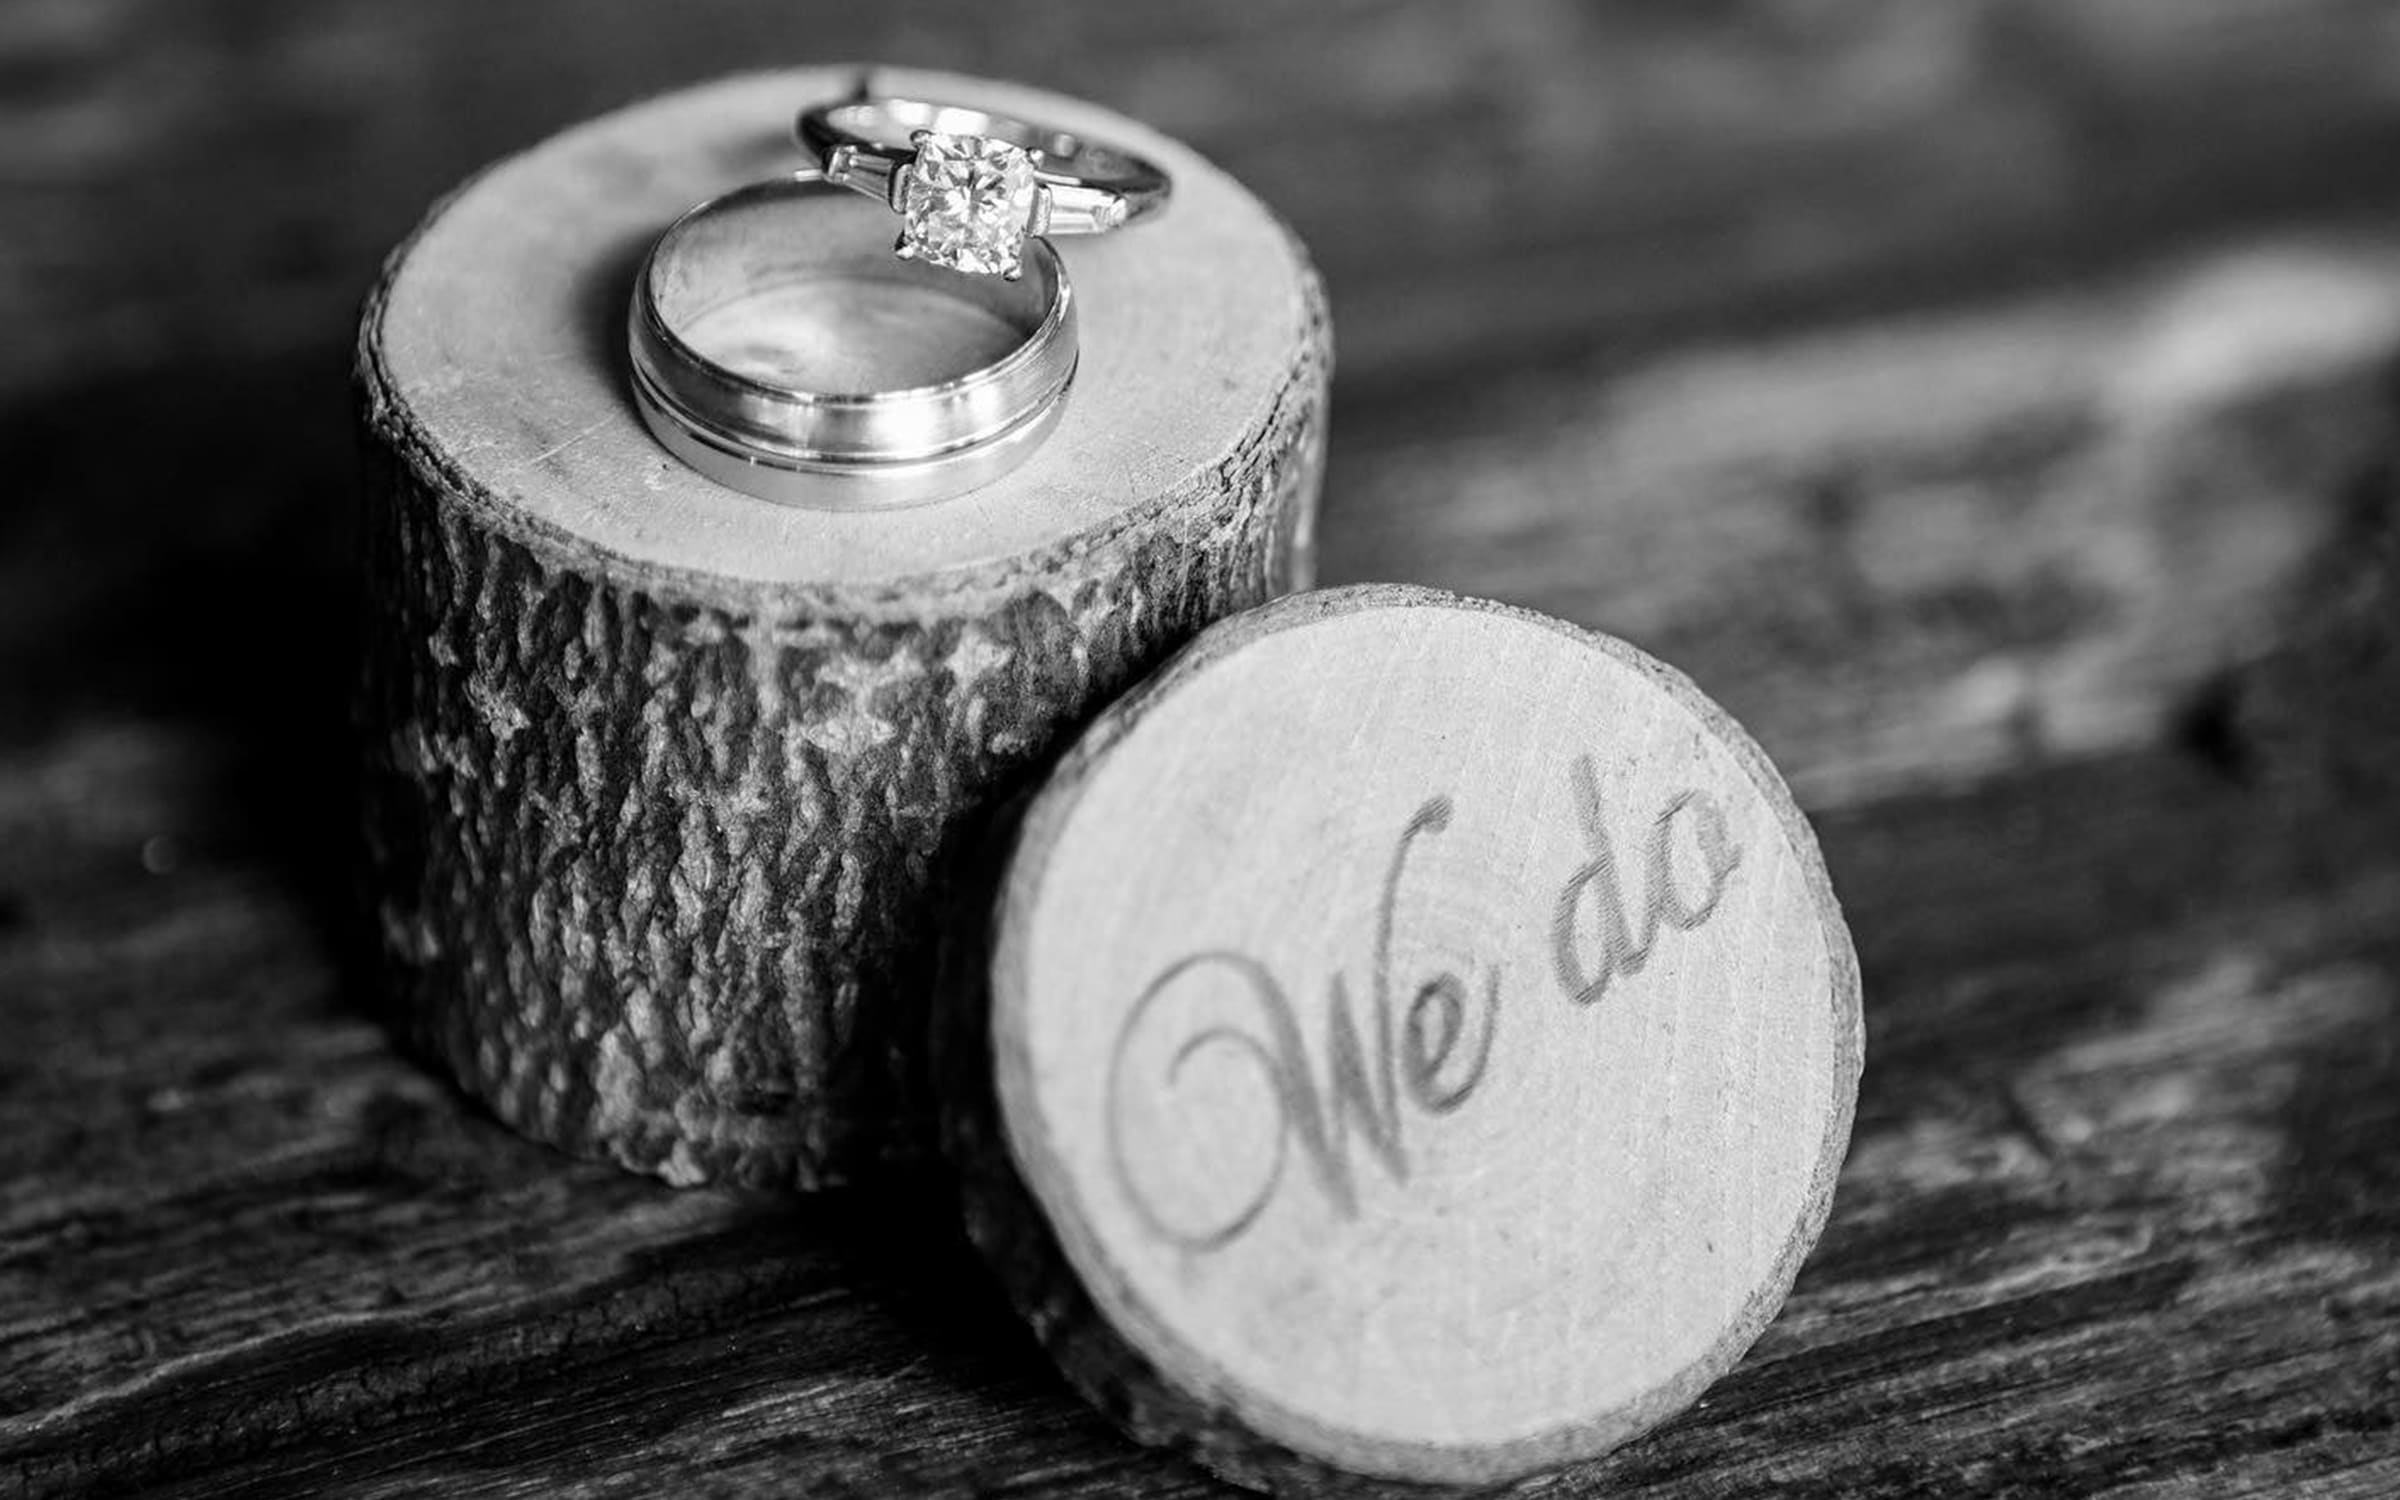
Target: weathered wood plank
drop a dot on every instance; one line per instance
(1916, 548)
(2129, 1101)
(1480, 182)
(2104, 1142)
(1946, 387)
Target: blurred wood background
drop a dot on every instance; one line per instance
(1992, 402)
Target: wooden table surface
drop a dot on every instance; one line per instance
(1993, 404)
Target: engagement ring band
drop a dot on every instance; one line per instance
(972, 187)
(778, 348)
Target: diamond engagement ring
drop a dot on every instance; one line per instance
(971, 187)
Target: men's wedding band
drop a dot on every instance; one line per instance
(706, 376)
(972, 187)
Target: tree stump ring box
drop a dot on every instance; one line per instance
(662, 779)
(1414, 1039)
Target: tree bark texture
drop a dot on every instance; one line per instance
(656, 857)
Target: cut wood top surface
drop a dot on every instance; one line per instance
(1428, 1029)
(503, 330)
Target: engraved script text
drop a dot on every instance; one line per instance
(1429, 1050)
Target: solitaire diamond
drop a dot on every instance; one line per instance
(965, 203)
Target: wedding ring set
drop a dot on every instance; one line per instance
(783, 345)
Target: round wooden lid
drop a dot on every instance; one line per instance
(1429, 1035)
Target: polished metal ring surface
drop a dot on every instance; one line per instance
(724, 408)
(974, 188)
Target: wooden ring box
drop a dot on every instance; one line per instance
(661, 778)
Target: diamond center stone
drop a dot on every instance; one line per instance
(966, 202)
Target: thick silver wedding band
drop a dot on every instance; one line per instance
(838, 449)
